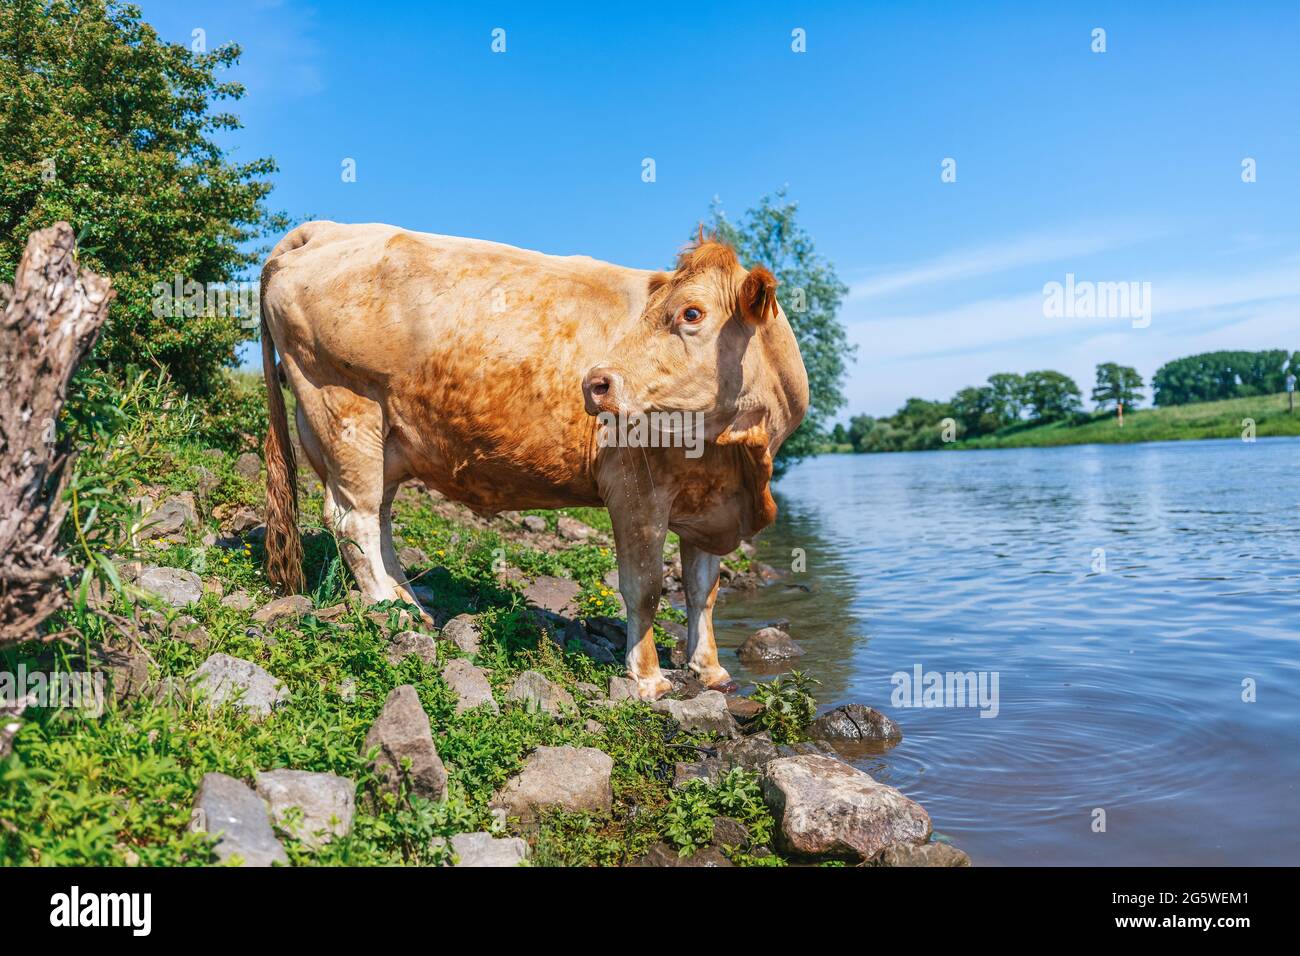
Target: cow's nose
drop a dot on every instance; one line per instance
(601, 389)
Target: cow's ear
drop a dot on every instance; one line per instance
(758, 296)
(657, 282)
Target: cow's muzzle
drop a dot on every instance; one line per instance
(602, 390)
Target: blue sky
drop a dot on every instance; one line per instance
(1117, 166)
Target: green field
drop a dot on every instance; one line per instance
(1222, 419)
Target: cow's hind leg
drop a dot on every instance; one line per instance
(700, 577)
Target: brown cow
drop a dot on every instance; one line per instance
(502, 377)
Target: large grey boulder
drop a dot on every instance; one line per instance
(827, 809)
(751, 753)
(536, 693)
(485, 850)
(169, 518)
(402, 732)
(223, 679)
(225, 807)
(463, 631)
(471, 686)
(174, 586)
(705, 713)
(325, 804)
(571, 778)
(769, 644)
(855, 722)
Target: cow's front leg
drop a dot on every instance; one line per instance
(639, 532)
(700, 577)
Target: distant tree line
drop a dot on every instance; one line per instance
(1012, 401)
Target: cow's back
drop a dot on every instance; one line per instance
(476, 349)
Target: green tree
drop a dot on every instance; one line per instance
(973, 408)
(1211, 376)
(1008, 397)
(1051, 395)
(838, 435)
(860, 427)
(811, 293)
(108, 127)
(1117, 383)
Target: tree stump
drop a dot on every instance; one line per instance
(51, 317)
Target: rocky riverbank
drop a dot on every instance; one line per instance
(246, 728)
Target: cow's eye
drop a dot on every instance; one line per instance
(692, 315)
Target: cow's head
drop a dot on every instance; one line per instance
(712, 339)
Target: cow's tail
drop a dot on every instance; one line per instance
(283, 542)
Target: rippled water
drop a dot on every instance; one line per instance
(1120, 690)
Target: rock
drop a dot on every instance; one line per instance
(855, 722)
(571, 529)
(744, 709)
(609, 629)
(571, 778)
(680, 653)
(413, 558)
(927, 854)
(223, 679)
(557, 595)
(327, 803)
(402, 732)
(183, 628)
(594, 727)
(127, 670)
(730, 832)
(406, 643)
(827, 809)
(708, 770)
(534, 523)
(535, 692)
(769, 644)
(471, 686)
(589, 691)
(248, 466)
(622, 688)
(331, 613)
(610, 578)
(242, 521)
(172, 586)
(226, 807)
(463, 631)
(665, 855)
(685, 683)
(173, 516)
(483, 849)
(706, 713)
(806, 748)
(205, 481)
(283, 609)
(750, 753)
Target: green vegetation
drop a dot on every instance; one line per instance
(117, 789)
(1222, 419)
(788, 706)
(1212, 376)
(104, 125)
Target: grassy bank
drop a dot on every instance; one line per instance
(1176, 423)
(117, 789)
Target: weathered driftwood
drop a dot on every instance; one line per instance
(50, 319)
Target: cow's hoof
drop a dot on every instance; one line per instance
(652, 688)
(725, 686)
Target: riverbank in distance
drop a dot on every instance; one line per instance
(1230, 418)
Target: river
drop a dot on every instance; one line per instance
(1139, 606)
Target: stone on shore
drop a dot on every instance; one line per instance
(855, 722)
(471, 686)
(174, 586)
(665, 855)
(327, 803)
(571, 778)
(826, 809)
(927, 854)
(402, 732)
(463, 631)
(536, 693)
(223, 679)
(769, 644)
(705, 713)
(486, 850)
(225, 807)
(751, 753)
